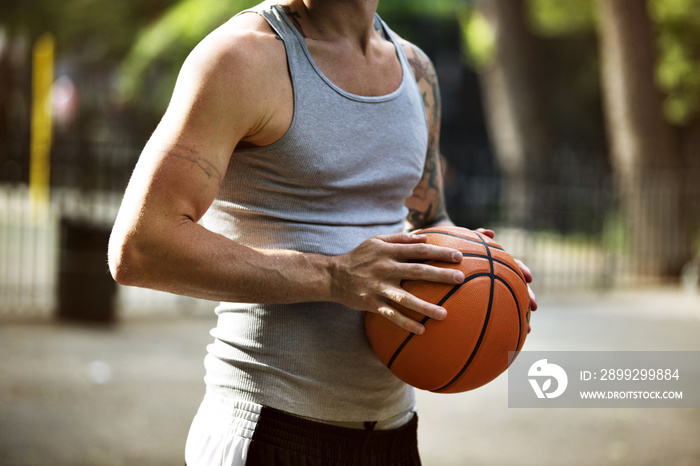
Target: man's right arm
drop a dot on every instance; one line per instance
(228, 91)
(219, 100)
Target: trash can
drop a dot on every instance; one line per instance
(86, 290)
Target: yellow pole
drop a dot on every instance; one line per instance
(40, 144)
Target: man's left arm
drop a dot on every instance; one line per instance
(426, 206)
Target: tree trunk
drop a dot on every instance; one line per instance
(643, 146)
(5, 88)
(515, 108)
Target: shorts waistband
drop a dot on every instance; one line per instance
(234, 406)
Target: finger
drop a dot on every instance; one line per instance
(411, 302)
(525, 270)
(401, 320)
(490, 233)
(426, 252)
(533, 299)
(429, 273)
(403, 238)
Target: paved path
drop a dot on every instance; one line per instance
(74, 395)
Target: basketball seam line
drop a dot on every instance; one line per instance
(426, 318)
(520, 324)
(485, 325)
(471, 240)
(487, 319)
(481, 256)
(479, 241)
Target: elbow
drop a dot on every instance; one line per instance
(118, 269)
(125, 261)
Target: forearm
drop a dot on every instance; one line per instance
(188, 259)
(184, 258)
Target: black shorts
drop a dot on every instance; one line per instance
(282, 439)
(240, 433)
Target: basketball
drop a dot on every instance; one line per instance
(487, 317)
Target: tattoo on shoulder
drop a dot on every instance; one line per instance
(424, 72)
(294, 18)
(183, 152)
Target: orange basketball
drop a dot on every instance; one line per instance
(487, 316)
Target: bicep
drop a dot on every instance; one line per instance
(184, 162)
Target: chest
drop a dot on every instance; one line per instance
(375, 72)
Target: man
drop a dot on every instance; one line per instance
(307, 132)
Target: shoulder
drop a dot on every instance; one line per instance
(421, 65)
(229, 77)
(245, 45)
(426, 77)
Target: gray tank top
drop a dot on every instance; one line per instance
(341, 174)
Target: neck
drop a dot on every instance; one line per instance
(335, 19)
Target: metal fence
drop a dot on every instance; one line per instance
(57, 260)
(574, 242)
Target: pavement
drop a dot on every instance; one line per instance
(75, 394)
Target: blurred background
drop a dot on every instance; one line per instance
(571, 127)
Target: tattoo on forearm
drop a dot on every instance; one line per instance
(191, 155)
(427, 204)
(430, 172)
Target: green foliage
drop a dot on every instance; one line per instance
(164, 45)
(478, 38)
(94, 30)
(546, 18)
(676, 22)
(557, 17)
(678, 71)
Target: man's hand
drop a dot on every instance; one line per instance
(369, 277)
